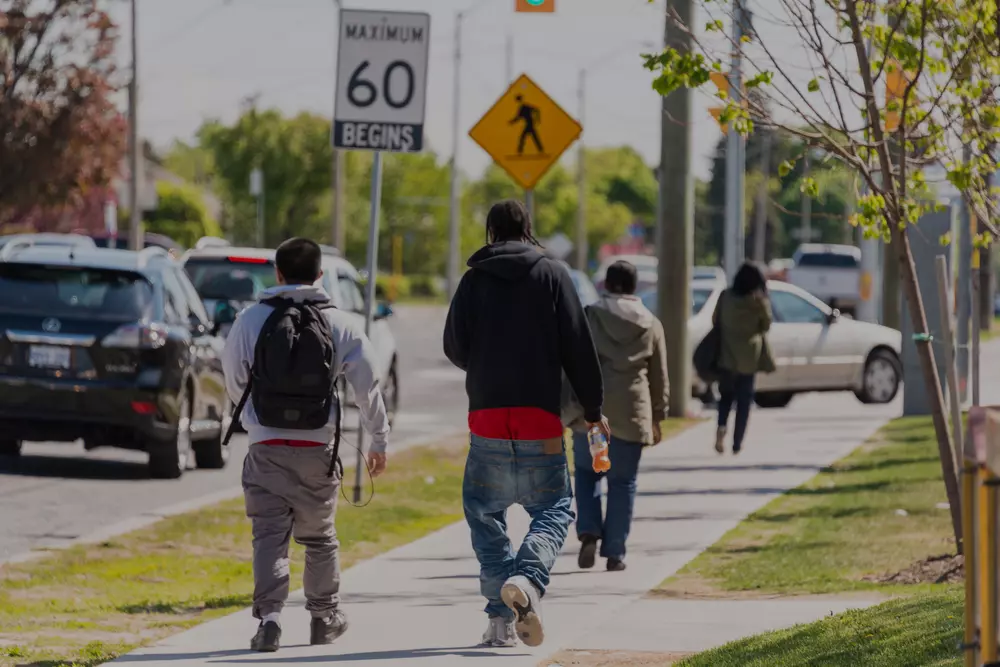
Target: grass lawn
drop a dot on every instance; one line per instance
(843, 524)
(919, 631)
(86, 605)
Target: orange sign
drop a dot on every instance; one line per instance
(538, 6)
(526, 132)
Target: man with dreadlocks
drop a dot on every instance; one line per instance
(515, 326)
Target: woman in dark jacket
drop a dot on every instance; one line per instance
(743, 314)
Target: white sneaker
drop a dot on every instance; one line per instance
(521, 595)
(499, 633)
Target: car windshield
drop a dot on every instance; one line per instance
(231, 278)
(72, 291)
(699, 297)
(827, 260)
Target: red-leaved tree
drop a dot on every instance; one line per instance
(60, 131)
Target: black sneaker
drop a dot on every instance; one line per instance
(267, 639)
(616, 565)
(588, 552)
(327, 630)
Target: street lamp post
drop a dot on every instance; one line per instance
(581, 212)
(135, 208)
(338, 233)
(454, 236)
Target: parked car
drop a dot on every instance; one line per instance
(114, 348)
(815, 348)
(709, 273)
(831, 273)
(584, 288)
(236, 276)
(777, 269)
(150, 240)
(45, 239)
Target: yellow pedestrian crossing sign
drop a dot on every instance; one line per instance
(526, 132)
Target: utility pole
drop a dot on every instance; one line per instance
(760, 212)
(454, 239)
(805, 229)
(337, 232)
(135, 207)
(735, 155)
(581, 177)
(675, 249)
(510, 58)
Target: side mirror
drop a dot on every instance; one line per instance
(833, 316)
(382, 310)
(224, 314)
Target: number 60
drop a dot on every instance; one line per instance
(369, 93)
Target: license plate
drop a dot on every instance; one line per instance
(48, 356)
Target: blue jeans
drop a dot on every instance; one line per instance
(612, 530)
(736, 388)
(501, 473)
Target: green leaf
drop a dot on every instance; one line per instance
(813, 85)
(785, 168)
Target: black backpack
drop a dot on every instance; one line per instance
(293, 380)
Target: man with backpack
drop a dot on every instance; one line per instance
(281, 362)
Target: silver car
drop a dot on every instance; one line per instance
(814, 347)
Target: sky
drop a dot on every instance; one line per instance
(199, 59)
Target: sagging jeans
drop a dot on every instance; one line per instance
(501, 473)
(738, 388)
(614, 528)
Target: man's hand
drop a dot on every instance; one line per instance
(657, 433)
(603, 425)
(376, 463)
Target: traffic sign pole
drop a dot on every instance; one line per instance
(373, 223)
(382, 62)
(529, 202)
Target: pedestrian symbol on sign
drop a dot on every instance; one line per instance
(531, 117)
(525, 132)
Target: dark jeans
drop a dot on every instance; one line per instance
(501, 473)
(739, 388)
(614, 528)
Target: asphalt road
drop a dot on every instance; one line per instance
(57, 492)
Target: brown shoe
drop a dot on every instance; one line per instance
(720, 440)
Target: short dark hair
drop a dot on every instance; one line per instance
(621, 278)
(509, 220)
(749, 279)
(299, 261)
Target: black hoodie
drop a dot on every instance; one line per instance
(515, 324)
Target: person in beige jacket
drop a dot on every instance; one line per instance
(632, 351)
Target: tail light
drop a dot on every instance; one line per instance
(137, 336)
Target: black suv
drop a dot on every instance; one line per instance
(112, 347)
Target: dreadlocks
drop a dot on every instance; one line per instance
(509, 221)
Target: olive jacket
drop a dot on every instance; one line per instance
(632, 351)
(744, 322)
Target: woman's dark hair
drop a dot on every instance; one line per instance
(621, 278)
(749, 279)
(509, 221)
(299, 261)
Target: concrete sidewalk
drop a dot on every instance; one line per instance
(420, 606)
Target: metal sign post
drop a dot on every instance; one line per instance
(382, 60)
(376, 209)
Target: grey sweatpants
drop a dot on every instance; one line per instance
(288, 494)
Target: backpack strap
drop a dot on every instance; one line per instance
(239, 410)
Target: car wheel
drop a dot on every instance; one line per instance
(881, 379)
(211, 454)
(390, 394)
(773, 399)
(10, 448)
(173, 460)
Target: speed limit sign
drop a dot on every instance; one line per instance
(381, 80)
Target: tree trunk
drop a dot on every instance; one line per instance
(928, 368)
